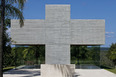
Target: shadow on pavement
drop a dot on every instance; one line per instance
(24, 71)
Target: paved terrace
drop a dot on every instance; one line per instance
(81, 73)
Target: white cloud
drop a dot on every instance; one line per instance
(109, 34)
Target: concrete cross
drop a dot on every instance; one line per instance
(57, 32)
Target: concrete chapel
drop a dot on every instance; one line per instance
(57, 32)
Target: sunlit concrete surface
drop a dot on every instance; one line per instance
(57, 32)
(80, 73)
(57, 70)
(94, 73)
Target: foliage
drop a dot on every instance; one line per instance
(28, 55)
(112, 53)
(36, 53)
(17, 58)
(8, 68)
(112, 70)
(85, 54)
(13, 9)
(78, 53)
(6, 45)
(105, 62)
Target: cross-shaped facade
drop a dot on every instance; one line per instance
(57, 32)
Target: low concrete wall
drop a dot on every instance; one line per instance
(57, 70)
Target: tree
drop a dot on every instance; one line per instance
(34, 53)
(79, 53)
(8, 9)
(1, 34)
(112, 53)
(6, 46)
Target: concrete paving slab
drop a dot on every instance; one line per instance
(94, 73)
(80, 73)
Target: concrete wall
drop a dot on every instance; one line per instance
(87, 32)
(59, 28)
(33, 32)
(57, 70)
(57, 12)
(84, 32)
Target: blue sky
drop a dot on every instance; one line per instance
(80, 9)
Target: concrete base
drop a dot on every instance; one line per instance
(81, 73)
(57, 70)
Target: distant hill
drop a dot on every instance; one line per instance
(104, 48)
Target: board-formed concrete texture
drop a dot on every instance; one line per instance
(57, 70)
(57, 32)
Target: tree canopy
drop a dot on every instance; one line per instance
(112, 53)
(14, 9)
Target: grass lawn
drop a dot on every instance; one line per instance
(8, 68)
(112, 70)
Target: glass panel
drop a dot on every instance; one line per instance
(28, 57)
(85, 57)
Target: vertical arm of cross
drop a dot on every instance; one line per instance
(57, 34)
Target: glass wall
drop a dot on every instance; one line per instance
(85, 57)
(28, 56)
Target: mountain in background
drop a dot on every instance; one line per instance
(104, 48)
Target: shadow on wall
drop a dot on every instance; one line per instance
(66, 70)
